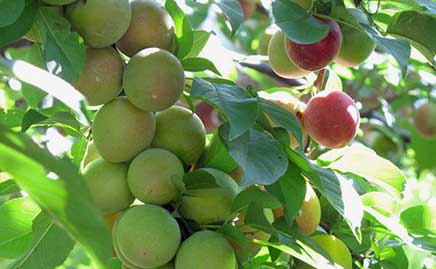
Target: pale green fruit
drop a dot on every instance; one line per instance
(107, 183)
(151, 26)
(102, 76)
(121, 130)
(180, 131)
(380, 201)
(100, 22)
(91, 154)
(279, 60)
(264, 40)
(337, 250)
(424, 120)
(306, 4)
(154, 79)
(210, 204)
(146, 236)
(59, 2)
(154, 176)
(167, 266)
(310, 210)
(206, 250)
(356, 47)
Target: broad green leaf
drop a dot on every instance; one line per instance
(30, 118)
(63, 50)
(283, 118)
(237, 237)
(78, 150)
(198, 64)
(425, 242)
(10, 11)
(8, 187)
(255, 218)
(199, 179)
(394, 257)
(16, 218)
(259, 155)
(50, 247)
(184, 33)
(409, 25)
(216, 156)
(298, 25)
(12, 118)
(254, 194)
(364, 162)
(233, 11)
(419, 220)
(398, 48)
(235, 104)
(67, 199)
(21, 26)
(200, 38)
(290, 190)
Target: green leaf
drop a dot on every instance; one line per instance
(234, 235)
(283, 118)
(298, 25)
(78, 150)
(184, 33)
(259, 155)
(255, 217)
(50, 247)
(30, 118)
(290, 190)
(199, 179)
(21, 26)
(10, 11)
(394, 257)
(16, 226)
(254, 194)
(233, 11)
(216, 156)
(236, 106)
(8, 187)
(200, 38)
(430, 5)
(198, 65)
(409, 25)
(63, 50)
(364, 162)
(67, 199)
(419, 220)
(398, 48)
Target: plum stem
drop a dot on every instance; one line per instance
(319, 82)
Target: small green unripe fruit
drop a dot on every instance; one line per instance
(381, 202)
(336, 249)
(107, 183)
(384, 146)
(356, 47)
(102, 76)
(154, 79)
(100, 22)
(121, 130)
(150, 26)
(59, 2)
(146, 236)
(279, 60)
(180, 131)
(206, 250)
(210, 204)
(264, 40)
(91, 154)
(310, 216)
(166, 266)
(154, 175)
(424, 120)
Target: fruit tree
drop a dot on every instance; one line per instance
(217, 134)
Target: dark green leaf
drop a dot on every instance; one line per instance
(394, 257)
(16, 226)
(200, 38)
(259, 155)
(47, 238)
(255, 217)
(199, 179)
(10, 11)
(198, 65)
(409, 25)
(67, 199)
(30, 118)
(233, 11)
(298, 25)
(216, 156)
(21, 26)
(8, 187)
(184, 33)
(237, 107)
(234, 235)
(254, 194)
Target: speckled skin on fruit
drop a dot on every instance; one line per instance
(146, 236)
(210, 204)
(107, 183)
(279, 60)
(154, 79)
(101, 23)
(154, 175)
(424, 120)
(121, 130)
(180, 131)
(150, 26)
(332, 119)
(318, 55)
(59, 2)
(206, 250)
(102, 76)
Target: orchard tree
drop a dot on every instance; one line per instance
(146, 134)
